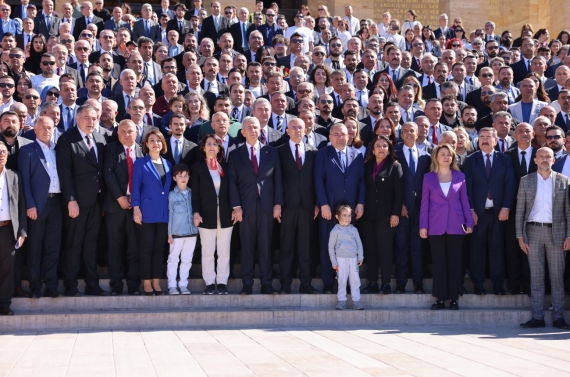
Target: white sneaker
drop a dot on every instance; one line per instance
(173, 291)
(340, 305)
(184, 290)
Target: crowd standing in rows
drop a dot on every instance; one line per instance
(335, 141)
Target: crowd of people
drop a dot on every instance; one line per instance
(320, 147)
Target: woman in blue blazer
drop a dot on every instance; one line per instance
(445, 218)
(151, 181)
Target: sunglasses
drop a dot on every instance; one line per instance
(5, 10)
(477, 44)
(258, 19)
(455, 45)
(300, 16)
(492, 47)
(6, 85)
(48, 63)
(335, 45)
(321, 9)
(487, 75)
(85, 35)
(269, 64)
(32, 97)
(554, 137)
(304, 91)
(54, 94)
(67, 41)
(230, 12)
(84, 49)
(418, 45)
(296, 41)
(319, 53)
(269, 15)
(12, 56)
(326, 101)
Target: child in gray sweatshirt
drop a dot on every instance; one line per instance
(345, 251)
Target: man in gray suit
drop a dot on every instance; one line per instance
(543, 210)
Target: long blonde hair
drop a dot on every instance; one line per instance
(435, 165)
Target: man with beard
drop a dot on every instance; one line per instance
(255, 42)
(107, 41)
(9, 128)
(449, 116)
(348, 91)
(32, 101)
(325, 119)
(226, 46)
(506, 83)
(179, 149)
(486, 77)
(270, 29)
(555, 141)
(111, 72)
(458, 73)
(222, 104)
(487, 92)
(375, 107)
(506, 39)
(17, 59)
(499, 102)
(109, 111)
(61, 57)
(335, 49)
(48, 77)
(394, 69)
(469, 119)
(7, 88)
(408, 108)
(211, 83)
(350, 63)
(169, 89)
(94, 85)
(254, 75)
(492, 50)
(275, 84)
(433, 90)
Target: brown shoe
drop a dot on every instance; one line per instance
(19, 292)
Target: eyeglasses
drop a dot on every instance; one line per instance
(418, 45)
(66, 41)
(258, 19)
(12, 56)
(296, 41)
(45, 64)
(54, 94)
(5, 10)
(321, 9)
(269, 64)
(455, 45)
(554, 137)
(304, 91)
(319, 53)
(300, 16)
(213, 145)
(106, 37)
(269, 15)
(84, 49)
(230, 12)
(29, 96)
(326, 101)
(85, 35)
(6, 85)
(492, 47)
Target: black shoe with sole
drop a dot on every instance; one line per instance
(372, 287)
(53, 293)
(328, 289)
(560, 323)
(438, 305)
(222, 290)
(453, 305)
(36, 293)
(72, 293)
(267, 289)
(498, 290)
(385, 289)
(533, 324)
(210, 289)
(308, 289)
(6, 311)
(479, 291)
(419, 289)
(246, 290)
(400, 289)
(285, 290)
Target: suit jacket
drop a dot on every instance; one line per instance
(560, 206)
(560, 121)
(40, 26)
(138, 30)
(501, 182)
(148, 192)
(117, 59)
(31, 135)
(245, 184)
(403, 73)
(80, 177)
(209, 29)
(514, 154)
(146, 129)
(553, 92)
(284, 61)
(413, 184)
(468, 89)
(265, 30)
(81, 100)
(204, 194)
(290, 102)
(13, 27)
(120, 100)
(246, 111)
(385, 192)
(442, 214)
(487, 121)
(511, 143)
(188, 156)
(17, 203)
(81, 25)
(298, 189)
(438, 33)
(116, 173)
(429, 91)
(288, 117)
(173, 25)
(520, 70)
(473, 98)
(332, 184)
(236, 32)
(190, 12)
(516, 110)
(110, 24)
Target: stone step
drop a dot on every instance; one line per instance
(258, 318)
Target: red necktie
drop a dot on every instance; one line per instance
(419, 65)
(434, 136)
(149, 119)
(298, 157)
(130, 168)
(263, 139)
(254, 160)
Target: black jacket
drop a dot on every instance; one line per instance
(385, 193)
(204, 196)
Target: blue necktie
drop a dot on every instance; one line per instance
(69, 118)
(146, 29)
(342, 163)
(177, 152)
(412, 162)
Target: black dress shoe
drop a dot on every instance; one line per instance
(438, 305)
(308, 289)
(498, 290)
(72, 293)
(246, 290)
(6, 311)
(533, 324)
(385, 289)
(267, 289)
(134, 292)
(95, 291)
(285, 290)
(560, 323)
(20, 292)
(453, 305)
(151, 293)
(419, 289)
(328, 289)
(400, 289)
(116, 292)
(53, 293)
(35, 294)
(371, 288)
(158, 293)
(479, 290)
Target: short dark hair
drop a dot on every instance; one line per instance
(5, 113)
(176, 115)
(156, 132)
(167, 60)
(468, 107)
(179, 169)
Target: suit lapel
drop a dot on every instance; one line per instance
(245, 156)
(41, 155)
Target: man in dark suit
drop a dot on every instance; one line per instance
(215, 25)
(136, 113)
(87, 19)
(415, 163)
(522, 67)
(433, 90)
(180, 150)
(522, 158)
(179, 24)
(256, 195)
(237, 96)
(46, 23)
(80, 154)
(491, 190)
(279, 119)
(267, 135)
(20, 10)
(13, 228)
(239, 31)
(195, 10)
(118, 165)
(44, 208)
(128, 82)
(299, 209)
(116, 21)
(443, 28)
(313, 133)
(107, 39)
(220, 128)
(210, 82)
(394, 69)
(339, 177)
(144, 26)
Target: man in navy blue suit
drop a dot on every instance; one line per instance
(339, 178)
(256, 196)
(415, 163)
(491, 189)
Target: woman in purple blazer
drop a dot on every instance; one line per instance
(445, 218)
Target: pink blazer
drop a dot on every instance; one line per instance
(441, 214)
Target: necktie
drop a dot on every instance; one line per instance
(130, 168)
(92, 154)
(394, 76)
(335, 64)
(235, 112)
(341, 159)
(408, 116)
(488, 172)
(82, 72)
(419, 64)
(471, 80)
(298, 157)
(502, 145)
(262, 138)
(29, 38)
(528, 65)
(430, 80)
(146, 29)
(412, 162)
(434, 136)
(216, 23)
(58, 71)
(88, 20)
(360, 97)
(180, 25)
(524, 170)
(568, 121)
(145, 71)
(279, 123)
(254, 160)
(149, 119)
(69, 118)
(48, 22)
(69, 59)
(177, 152)
(245, 44)
(128, 102)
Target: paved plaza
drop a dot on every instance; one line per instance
(394, 351)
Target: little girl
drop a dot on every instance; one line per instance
(345, 251)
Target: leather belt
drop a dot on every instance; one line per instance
(489, 210)
(5, 223)
(53, 194)
(542, 225)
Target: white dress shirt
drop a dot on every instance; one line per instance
(293, 148)
(49, 154)
(527, 156)
(225, 143)
(407, 118)
(257, 148)
(488, 202)
(541, 211)
(4, 198)
(415, 153)
(211, 88)
(283, 122)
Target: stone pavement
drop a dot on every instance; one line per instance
(374, 351)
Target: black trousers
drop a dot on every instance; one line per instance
(516, 260)
(44, 245)
(446, 253)
(122, 251)
(296, 226)
(81, 245)
(152, 237)
(378, 240)
(256, 228)
(7, 255)
(488, 234)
